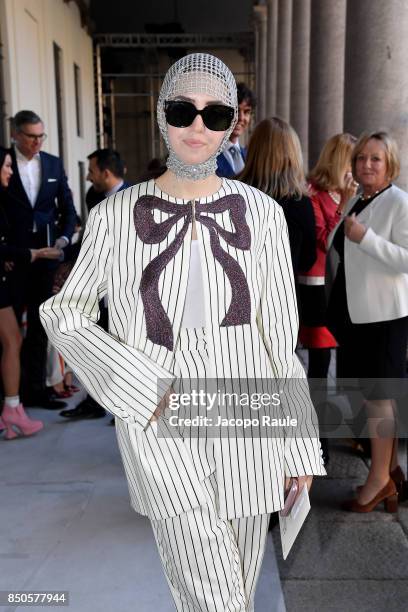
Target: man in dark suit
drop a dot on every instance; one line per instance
(232, 160)
(37, 196)
(106, 172)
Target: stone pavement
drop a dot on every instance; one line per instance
(66, 524)
(345, 561)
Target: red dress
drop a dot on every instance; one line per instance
(313, 331)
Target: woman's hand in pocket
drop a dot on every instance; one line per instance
(163, 404)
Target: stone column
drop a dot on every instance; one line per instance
(272, 47)
(299, 84)
(376, 77)
(327, 44)
(260, 15)
(283, 59)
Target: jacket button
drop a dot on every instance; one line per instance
(4, 278)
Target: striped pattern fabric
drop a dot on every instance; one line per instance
(210, 563)
(127, 373)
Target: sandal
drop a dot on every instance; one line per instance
(61, 394)
(72, 388)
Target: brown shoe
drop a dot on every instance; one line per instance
(397, 475)
(388, 495)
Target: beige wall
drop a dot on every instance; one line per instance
(28, 30)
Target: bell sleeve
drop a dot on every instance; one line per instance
(121, 378)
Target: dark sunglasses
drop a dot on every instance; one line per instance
(216, 117)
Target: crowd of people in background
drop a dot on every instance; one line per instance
(348, 232)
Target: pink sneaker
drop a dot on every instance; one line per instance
(16, 417)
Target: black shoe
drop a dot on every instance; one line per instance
(273, 520)
(42, 400)
(84, 410)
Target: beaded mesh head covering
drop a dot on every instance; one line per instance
(204, 74)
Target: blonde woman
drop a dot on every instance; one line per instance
(331, 186)
(274, 165)
(369, 306)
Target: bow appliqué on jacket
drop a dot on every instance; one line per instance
(158, 325)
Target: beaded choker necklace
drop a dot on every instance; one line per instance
(364, 198)
(368, 197)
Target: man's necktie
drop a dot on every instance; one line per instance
(237, 159)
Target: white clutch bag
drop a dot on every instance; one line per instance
(291, 525)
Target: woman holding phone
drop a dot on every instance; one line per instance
(331, 186)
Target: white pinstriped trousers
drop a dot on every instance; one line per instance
(211, 564)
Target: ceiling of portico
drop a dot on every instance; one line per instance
(184, 15)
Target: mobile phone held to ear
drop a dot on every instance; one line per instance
(290, 498)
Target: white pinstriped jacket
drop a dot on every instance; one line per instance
(251, 332)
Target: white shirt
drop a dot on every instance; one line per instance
(30, 174)
(237, 163)
(194, 311)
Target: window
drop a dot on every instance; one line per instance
(78, 99)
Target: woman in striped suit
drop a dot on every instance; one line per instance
(198, 276)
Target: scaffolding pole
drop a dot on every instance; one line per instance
(99, 98)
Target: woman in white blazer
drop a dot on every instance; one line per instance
(368, 306)
(198, 278)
